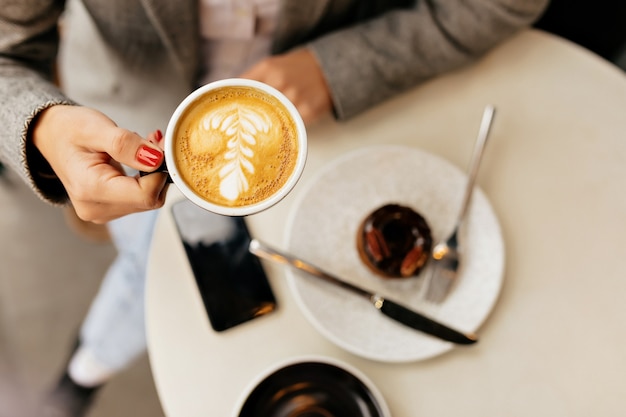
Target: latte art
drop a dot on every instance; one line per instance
(242, 126)
(236, 146)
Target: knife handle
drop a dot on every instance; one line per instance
(420, 322)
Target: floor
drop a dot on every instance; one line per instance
(43, 298)
(44, 294)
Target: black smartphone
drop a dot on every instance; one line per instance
(231, 280)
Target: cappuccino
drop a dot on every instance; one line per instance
(236, 145)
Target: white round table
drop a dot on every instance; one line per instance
(555, 174)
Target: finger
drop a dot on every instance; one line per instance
(141, 193)
(134, 151)
(103, 212)
(155, 137)
(308, 114)
(120, 195)
(157, 185)
(262, 71)
(98, 213)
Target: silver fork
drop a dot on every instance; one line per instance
(447, 254)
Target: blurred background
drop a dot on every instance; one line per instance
(48, 277)
(49, 273)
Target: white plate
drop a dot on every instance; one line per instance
(322, 229)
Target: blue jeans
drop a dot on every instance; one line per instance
(114, 328)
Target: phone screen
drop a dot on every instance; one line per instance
(231, 280)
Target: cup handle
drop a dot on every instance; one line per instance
(162, 168)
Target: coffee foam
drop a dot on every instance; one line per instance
(236, 146)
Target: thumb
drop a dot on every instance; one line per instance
(134, 151)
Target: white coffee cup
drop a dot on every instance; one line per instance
(249, 129)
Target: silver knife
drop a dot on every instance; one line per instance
(388, 307)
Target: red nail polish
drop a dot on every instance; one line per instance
(149, 156)
(158, 135)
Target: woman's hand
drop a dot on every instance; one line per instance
(86, 150)
(298, 76)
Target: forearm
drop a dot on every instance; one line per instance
(24, 96)
(370, 62)
(28, 47)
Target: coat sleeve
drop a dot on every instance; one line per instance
(28, 47)
(378, 58)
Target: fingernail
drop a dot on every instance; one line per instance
(149, 156)
(158, 135)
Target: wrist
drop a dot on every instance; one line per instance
(41, 129)
(39, 139)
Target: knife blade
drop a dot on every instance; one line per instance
(389, 308)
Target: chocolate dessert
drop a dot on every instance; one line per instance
(394, 241)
